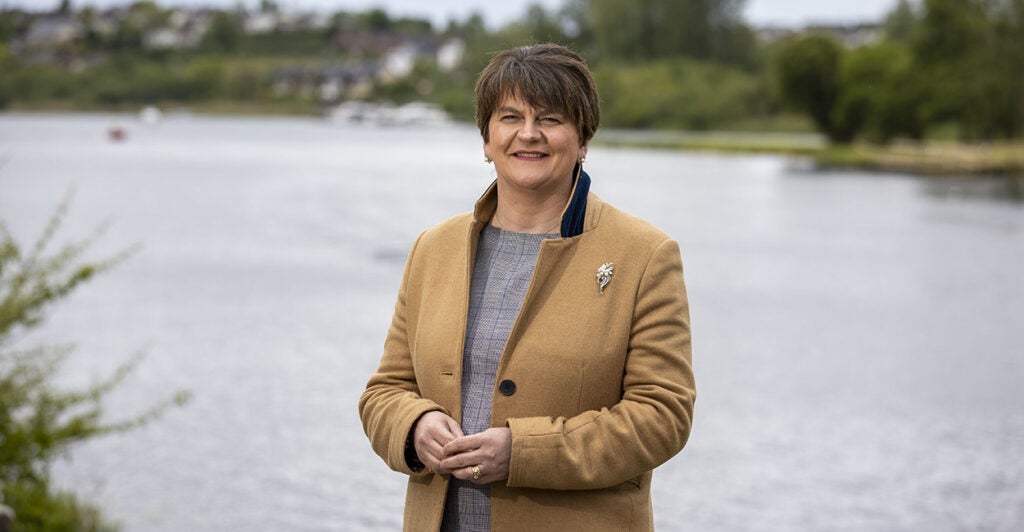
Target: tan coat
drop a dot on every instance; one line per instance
(603, 385)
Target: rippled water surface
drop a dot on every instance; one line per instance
(857, 338)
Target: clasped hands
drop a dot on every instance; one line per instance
(443, 448)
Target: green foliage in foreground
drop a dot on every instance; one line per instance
(39, 421)
(40, 508)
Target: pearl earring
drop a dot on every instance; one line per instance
(583, 158)
(487, 159)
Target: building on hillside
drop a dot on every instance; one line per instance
(184, 29)
(399, 62)
(450, 54)
(851, 35)
(53, 31)
(262, 22)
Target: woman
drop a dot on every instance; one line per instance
(537, 368)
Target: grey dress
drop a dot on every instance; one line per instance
(502, 272)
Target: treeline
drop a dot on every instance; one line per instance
(658, 63)
(939, 68)
(953, 67)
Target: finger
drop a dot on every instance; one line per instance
(460, 461)
(468, 473)
(433, 458)
(462, 473)
(432, 430)
(455, 429)
(453, 463)
(442, 471)
(476, 474)
(445, 429)
(431, 452)
(462, 445)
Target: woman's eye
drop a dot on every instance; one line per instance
(550, 120)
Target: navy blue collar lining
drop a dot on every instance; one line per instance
(576, 211)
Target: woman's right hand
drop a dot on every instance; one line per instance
(432, 432)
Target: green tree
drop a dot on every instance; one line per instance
(879, 93)
(543, 26)
(947, 50)
(1008, 40)
(968, 53)
(269, 6)
(6, 91)
(92, 40)
(950, 30)
(12, 24)
(40, 421)
(577, 26)
(224, 34)
(652, 29)
(141, 18)
(375, 20)
(807, 73)
(900, 23)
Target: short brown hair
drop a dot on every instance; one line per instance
(545, 76)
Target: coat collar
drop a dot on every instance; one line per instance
(579, 216)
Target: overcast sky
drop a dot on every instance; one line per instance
(496, 13)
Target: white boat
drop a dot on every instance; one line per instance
(151, 115)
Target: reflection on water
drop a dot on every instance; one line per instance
(856, 337)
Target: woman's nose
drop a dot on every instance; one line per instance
(529, 131)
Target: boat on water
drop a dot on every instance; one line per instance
(151, 115)
(117, 133)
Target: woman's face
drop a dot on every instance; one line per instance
(533, 149)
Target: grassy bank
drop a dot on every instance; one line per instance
(930, 158)
(925, 158)
(724, 141)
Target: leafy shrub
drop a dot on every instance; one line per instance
(40, 421)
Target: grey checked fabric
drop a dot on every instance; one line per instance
(501, 274)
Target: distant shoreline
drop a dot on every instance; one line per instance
(928, 158)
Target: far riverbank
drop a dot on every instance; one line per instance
(933, 158)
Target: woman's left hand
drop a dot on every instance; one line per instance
(484, 455)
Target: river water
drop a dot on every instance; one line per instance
(857, 337)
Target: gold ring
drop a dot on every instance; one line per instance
(476, 472)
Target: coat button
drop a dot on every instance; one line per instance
(507, 387)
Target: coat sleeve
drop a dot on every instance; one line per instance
(391, 403)
(650, 424)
